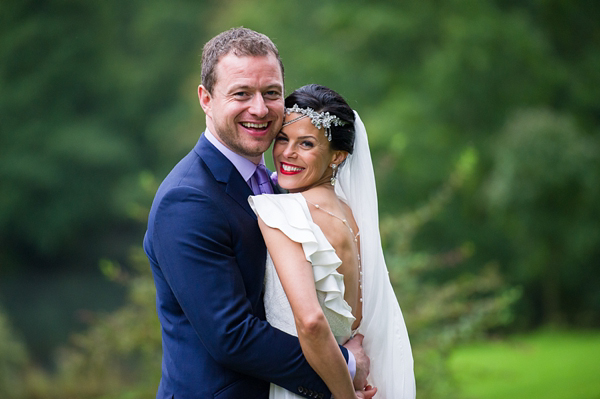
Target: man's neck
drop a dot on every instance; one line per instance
(245, 166)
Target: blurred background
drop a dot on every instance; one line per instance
(484, 124)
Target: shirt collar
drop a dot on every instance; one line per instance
(244, 166)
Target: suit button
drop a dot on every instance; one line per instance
(301, 389)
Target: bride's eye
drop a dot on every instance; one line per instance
(308, 144)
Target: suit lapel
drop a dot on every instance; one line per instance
(225, 173)
(239, 190)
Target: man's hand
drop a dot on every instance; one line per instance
(354, 345)
(366, 393)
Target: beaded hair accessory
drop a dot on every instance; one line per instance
(318, 119)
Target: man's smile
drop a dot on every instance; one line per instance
(250, 125)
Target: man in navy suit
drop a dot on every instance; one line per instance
(206, 250)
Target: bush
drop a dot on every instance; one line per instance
(13, 361)
(119, 356)
(442, 313)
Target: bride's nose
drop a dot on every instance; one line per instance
(289, 151)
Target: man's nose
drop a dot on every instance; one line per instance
(258, 106)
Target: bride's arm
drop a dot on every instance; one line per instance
(316, 339)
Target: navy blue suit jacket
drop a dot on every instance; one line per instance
(208, 261)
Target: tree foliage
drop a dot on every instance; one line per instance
(85, 86)
(13, 360)
(542, 189)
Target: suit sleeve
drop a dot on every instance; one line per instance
(194, 246)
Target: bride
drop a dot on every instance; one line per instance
(326, 277)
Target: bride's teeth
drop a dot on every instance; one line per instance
(255, 125)
(289, 168)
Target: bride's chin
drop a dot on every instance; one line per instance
(283, 185)
(284, 181)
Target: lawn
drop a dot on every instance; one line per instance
(547, 364)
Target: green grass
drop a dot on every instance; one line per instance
(547, 364)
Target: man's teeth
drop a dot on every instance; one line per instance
(255, 125)
(290, 168)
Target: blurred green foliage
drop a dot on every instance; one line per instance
(13, 360)
(90, 96)
(442, 315)
(117, 356)
(542, 190)
(486, 111)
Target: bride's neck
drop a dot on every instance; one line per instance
(322, 189)
(323, 184)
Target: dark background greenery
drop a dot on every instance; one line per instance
(483, 116)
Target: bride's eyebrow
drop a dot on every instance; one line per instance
(307, 137)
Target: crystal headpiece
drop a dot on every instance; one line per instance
(318, 119)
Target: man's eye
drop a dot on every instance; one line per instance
(241, 94)
(273, 94)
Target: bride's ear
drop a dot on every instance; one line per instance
(338, 157)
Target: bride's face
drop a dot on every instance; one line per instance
(302, 155)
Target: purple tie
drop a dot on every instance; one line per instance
(262, 179)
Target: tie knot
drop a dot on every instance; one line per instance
(262, 175)
(262, 179)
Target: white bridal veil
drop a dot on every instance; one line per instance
(386, 339)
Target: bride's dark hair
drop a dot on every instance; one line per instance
(323, 99)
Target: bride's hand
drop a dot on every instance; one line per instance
(367, 393)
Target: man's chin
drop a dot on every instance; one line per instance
(259, 144)
(255, 151)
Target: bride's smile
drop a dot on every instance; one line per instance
(289, 169)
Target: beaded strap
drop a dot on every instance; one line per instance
(360, 272)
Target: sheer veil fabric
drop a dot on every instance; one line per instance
(386, 338)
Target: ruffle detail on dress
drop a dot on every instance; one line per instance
(289, 213)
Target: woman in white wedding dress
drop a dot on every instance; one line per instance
(326, 277)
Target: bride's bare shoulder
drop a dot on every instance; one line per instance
(317, 195)
(327, 201)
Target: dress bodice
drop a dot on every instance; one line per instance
(290, 214)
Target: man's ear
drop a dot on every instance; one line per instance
(338, 157)
(205, 100)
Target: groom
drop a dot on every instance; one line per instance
(206, 250)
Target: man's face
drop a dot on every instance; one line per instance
(245, 110)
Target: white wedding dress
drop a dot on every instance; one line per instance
(386, 339)
(289, 213)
